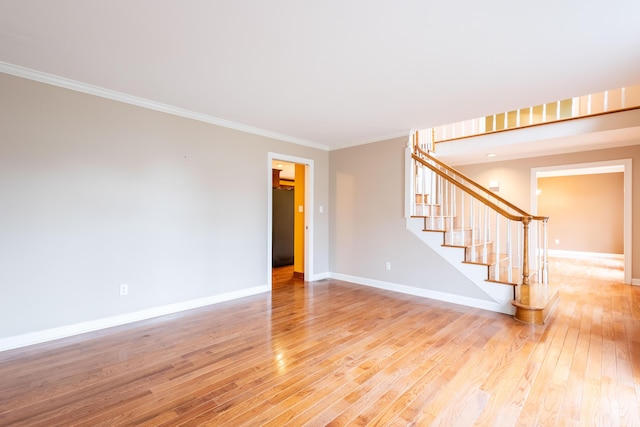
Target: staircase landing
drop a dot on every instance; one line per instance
(536, 313)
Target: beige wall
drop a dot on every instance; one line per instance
(368, 228)
(586, 212)
(95, 193)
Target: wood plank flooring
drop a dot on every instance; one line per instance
(282, 275)
(334, 353)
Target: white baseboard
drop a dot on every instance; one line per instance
(635, 282)
(424, 293)
(580, 254)
(321, 276)
(108, 322)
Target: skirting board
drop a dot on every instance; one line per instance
(94, 325)
(321, 276)
(424, 293)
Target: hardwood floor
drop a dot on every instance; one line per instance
(282, 275)
(334, 353)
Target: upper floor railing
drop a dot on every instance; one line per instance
(610, 101)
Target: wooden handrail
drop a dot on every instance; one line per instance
(468, 190)
(485, 190)
(501, 208)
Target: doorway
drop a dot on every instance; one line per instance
(290, 187)
(591, 169)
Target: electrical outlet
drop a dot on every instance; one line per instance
(557, 241)
(124, 289)
(388, 265)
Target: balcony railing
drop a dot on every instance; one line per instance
(609, 101)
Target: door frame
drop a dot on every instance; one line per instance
(308, 212)
(626, 169)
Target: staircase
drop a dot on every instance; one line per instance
(499, 247)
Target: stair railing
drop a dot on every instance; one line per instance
(495, 232)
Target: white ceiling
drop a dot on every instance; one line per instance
(331, 73)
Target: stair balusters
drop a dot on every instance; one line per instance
(496, 233)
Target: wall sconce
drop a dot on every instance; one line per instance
(494, 185)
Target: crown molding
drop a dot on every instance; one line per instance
(113, 95)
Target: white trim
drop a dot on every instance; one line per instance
(308, 214)
(635, 282)
(321, 276)
(409, 192)
(108, 322)
(628, 173)
(424, 293)
(588, 171)
(63, 82)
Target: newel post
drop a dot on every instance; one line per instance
(525, 296)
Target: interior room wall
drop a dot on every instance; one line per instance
(368, 228)
(515, 180)
(95, 193)
(587, 212)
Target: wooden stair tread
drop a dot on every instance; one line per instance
(446, 231)
(468, 245)
(501, 282)
(491, 260)
(453, 230)
(536, 314)
(497, 265)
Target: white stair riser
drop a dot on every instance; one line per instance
(501, 294)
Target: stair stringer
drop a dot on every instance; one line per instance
(500, 295)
